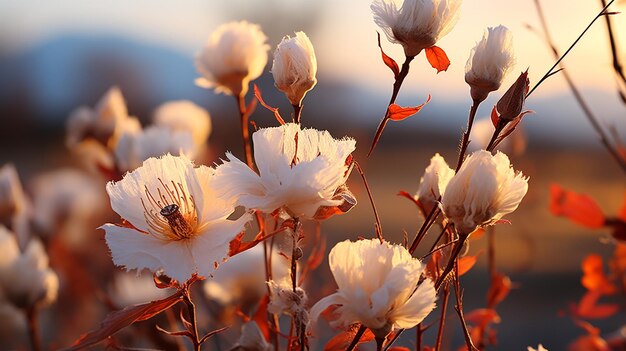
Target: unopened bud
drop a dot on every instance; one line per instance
(294, 67)
(511, 103)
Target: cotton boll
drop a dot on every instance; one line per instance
(294, 67)
(185, 116)
(417, 24)
(234, 55)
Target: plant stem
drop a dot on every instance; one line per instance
(404, 71)
(297, 112)
(465, 138)
(617, 66)
(33, 328)
(245, 131)
(428, 222)
(577, 95)
(379, 227)
(453, 256)
(191, 309)
(459, 308)
(442, 320)
(549, 73)
(357, 337)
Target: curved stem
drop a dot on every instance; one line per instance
(396, 89)
(245, 131)
(465, 139)
(191, 309)
(379, 226)
(442, 320)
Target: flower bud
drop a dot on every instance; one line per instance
(417, 24)
(25, 278)
(489, 62)
(484, 189)
(433, 183)
(184, 115)
(511, 103)
(234, 55)
(294, 67)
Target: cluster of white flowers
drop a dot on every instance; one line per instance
(181, 220)
(108, 138)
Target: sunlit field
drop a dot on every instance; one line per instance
(293, 175)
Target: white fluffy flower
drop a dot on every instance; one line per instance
(416, 24)
(235, 54)
(484, 190)
(66, 202)
(135, 147)
(105, 123)
(284, 300)
(378, 286)
(242, 278)
(304, 185)
(25, 278)
(14, 204)
(489, 62)
(294, 67)
(433, 183)
(175, 222)
(185, 116)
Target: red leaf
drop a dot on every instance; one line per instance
(466, 263)
(391, 63)
(398, 113)
(341, 341)
(398, 348)
(499, 289)
(495, 117)
(118, 320)
(437, 58)
(257, 93)
(260, 317)
(579, 208)
(482, 316)
(594, 278)
(622, 211)
(590, 309)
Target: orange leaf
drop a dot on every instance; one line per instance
(118, 320)
(482, 316)
(437, 58)
(579, 208)
(499, 289)
(495, 117)
(341, 341)
(466, 263)
(477, 234)
(260, 317)
(594, 278)
(398, 113)
(391, 63)
(589, 308)
(398, 348)
(257, 93)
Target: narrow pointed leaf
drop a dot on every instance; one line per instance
(391, 63)
(118, 320)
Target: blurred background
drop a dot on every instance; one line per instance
(55, 56)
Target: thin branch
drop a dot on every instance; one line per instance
(617, 66)
(577, 95)
(357, 337)
(465, 138)
(396, 89)
(442, 320)
(379, 226)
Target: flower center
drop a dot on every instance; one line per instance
(180, 228)
(169, 211)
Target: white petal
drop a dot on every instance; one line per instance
(210, 246)
(417, 307)
(134, 250)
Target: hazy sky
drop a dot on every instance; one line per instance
(342, 32)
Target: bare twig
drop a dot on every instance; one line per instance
(465, 138)
(357, 337)
(404, 71)
(617, 65)
(577, 95)
(442, 320)
(379, 226)
(459, 308)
